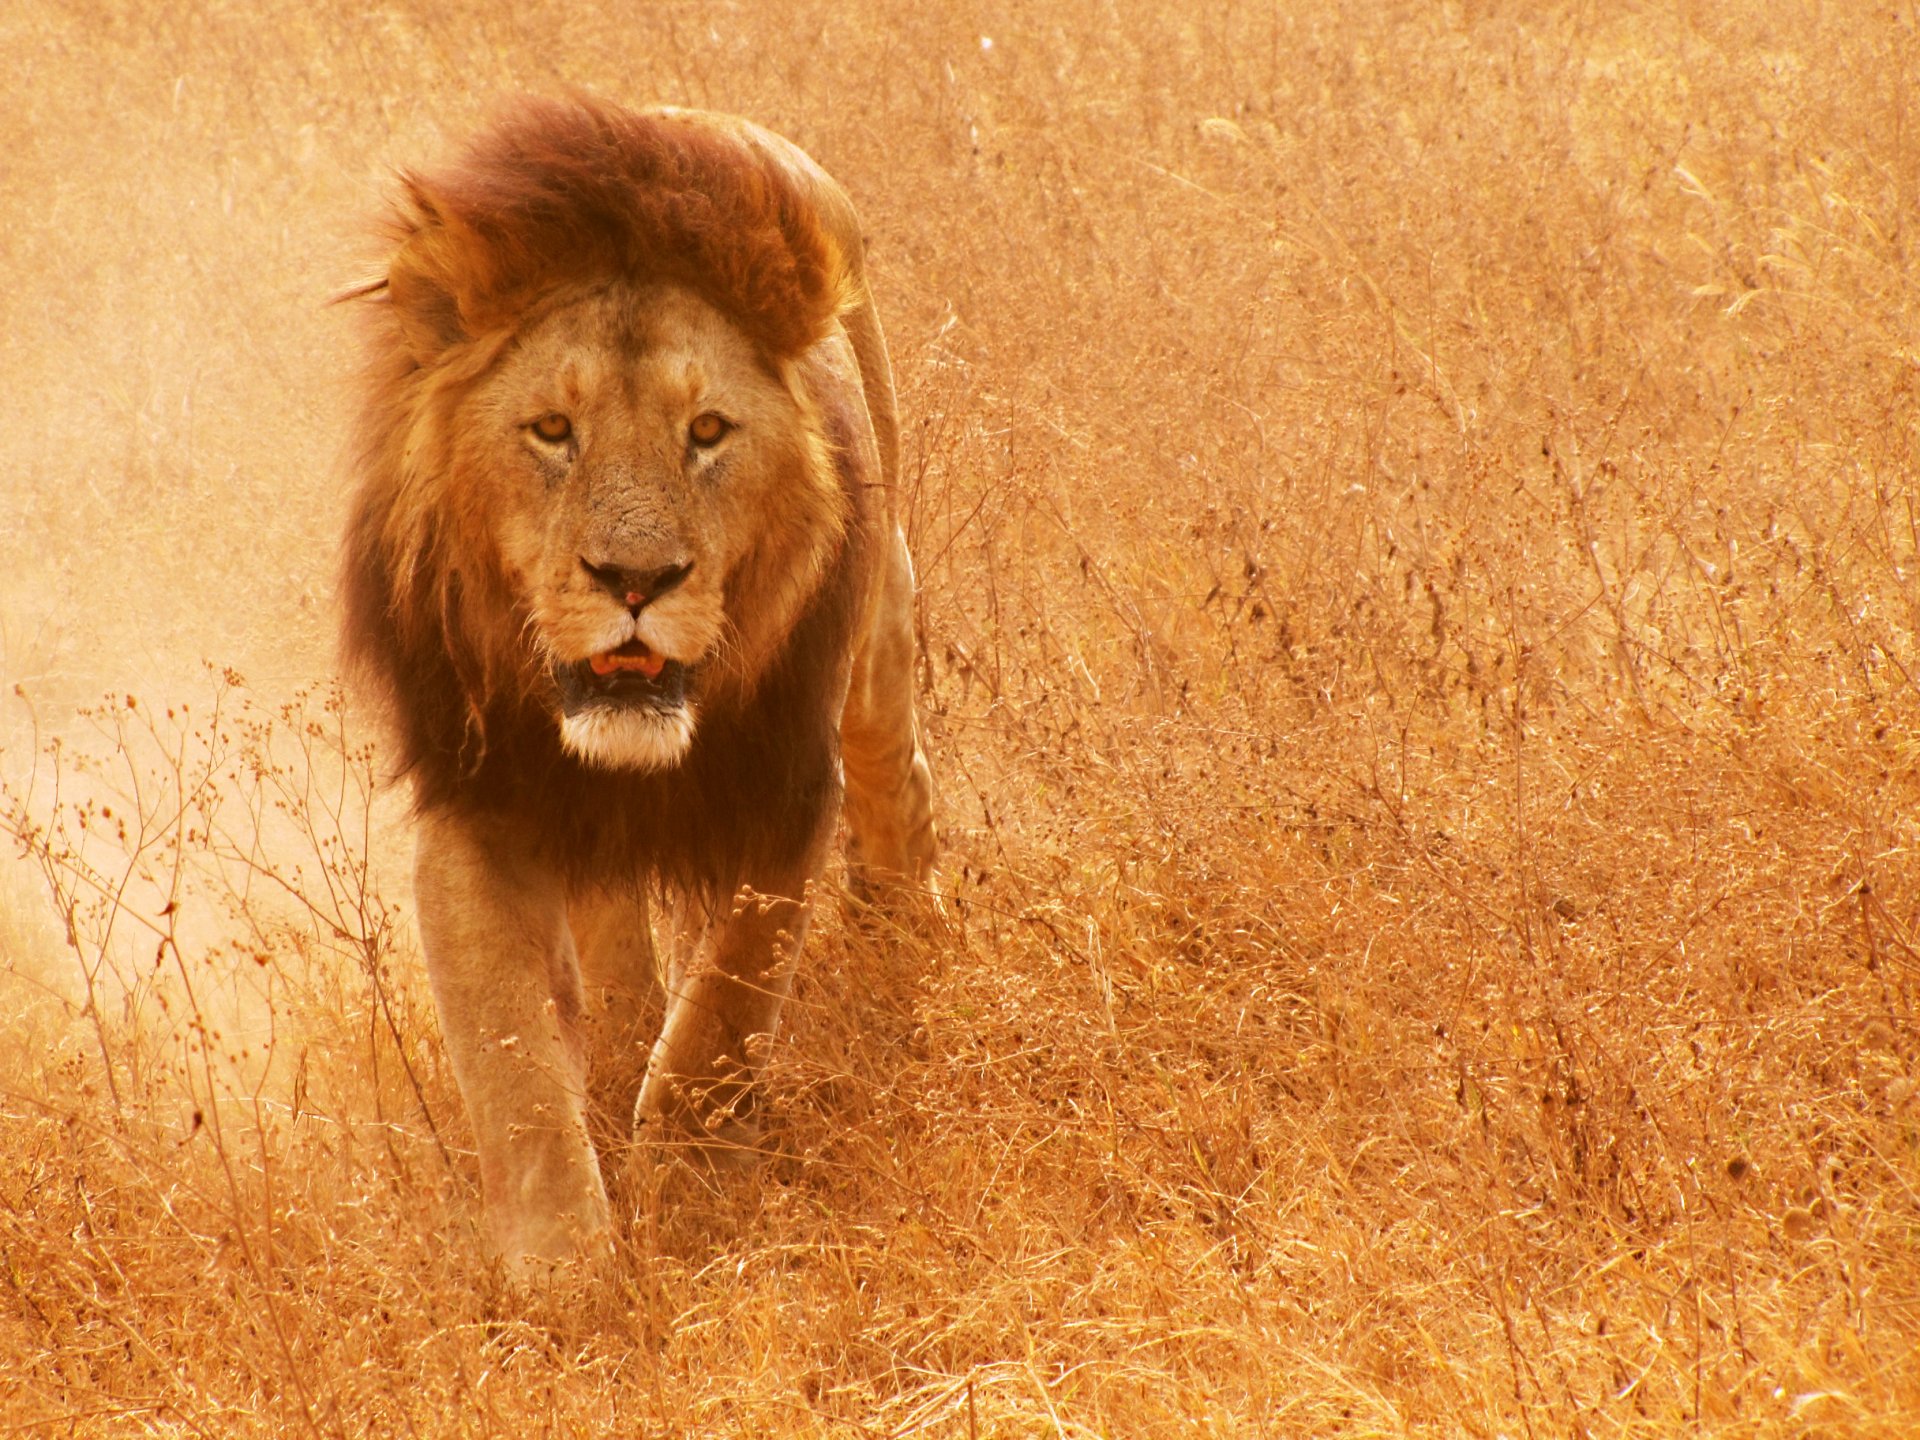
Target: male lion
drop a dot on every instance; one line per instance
(624, 564)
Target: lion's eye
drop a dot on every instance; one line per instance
(708, 429)
(553, 428)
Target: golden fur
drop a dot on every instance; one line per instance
(624, 567)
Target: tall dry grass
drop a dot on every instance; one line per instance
(1416, 516)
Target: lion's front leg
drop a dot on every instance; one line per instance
(505, 981)
(723, 1003)
(621, 994)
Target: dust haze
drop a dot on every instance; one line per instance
(1415, 509)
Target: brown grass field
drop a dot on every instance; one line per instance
(1416, 511)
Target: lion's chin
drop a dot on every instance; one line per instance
(629, 737)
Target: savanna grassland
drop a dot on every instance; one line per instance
(1416, 511)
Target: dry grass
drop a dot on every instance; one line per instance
(1416, 509)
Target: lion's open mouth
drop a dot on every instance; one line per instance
(630, 658)
(632, 675)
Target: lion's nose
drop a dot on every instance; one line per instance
(636, 589)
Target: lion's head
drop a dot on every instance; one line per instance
(597, 489)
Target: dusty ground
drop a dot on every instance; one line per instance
(1416, 509)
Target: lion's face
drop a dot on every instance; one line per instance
(659, 502)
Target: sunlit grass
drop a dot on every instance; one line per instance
(1417, 530)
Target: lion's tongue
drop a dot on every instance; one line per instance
(631, 656)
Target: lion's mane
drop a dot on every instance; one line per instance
(559, 195)
(568, 192)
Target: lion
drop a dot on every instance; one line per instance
(624, 566)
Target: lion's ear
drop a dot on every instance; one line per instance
(428, 273)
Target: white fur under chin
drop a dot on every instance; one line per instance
(629, 739)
